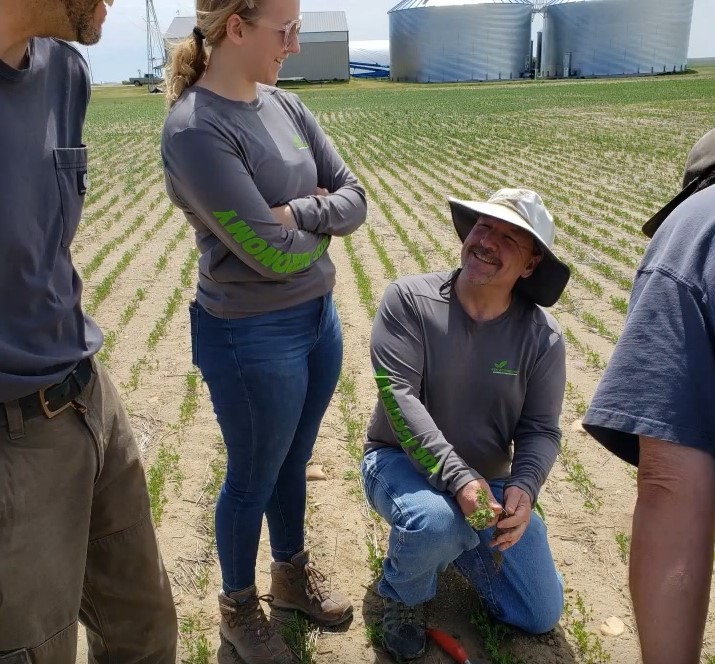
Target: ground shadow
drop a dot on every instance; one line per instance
(451, 610)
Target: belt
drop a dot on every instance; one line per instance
(51, 401)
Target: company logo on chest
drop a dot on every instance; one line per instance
(502, 368)
(299, 143)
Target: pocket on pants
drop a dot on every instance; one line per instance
(62, 647)
(16, 657)
(194, 324)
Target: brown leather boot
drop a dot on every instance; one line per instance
(298, 585)
(246, 628)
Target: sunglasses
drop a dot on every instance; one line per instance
(290, 30)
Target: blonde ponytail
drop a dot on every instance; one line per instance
(190, 58)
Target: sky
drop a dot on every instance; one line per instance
(122, 50)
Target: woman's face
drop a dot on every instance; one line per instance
(268, 39)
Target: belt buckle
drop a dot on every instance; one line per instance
(51, 413)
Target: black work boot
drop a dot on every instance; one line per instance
(403, 629)
(245, 626)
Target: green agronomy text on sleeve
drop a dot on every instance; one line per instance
(280, 262)
(407, 439)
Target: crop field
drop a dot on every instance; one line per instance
(604, 155)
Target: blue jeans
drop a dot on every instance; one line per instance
(271, 378)
(429, 531)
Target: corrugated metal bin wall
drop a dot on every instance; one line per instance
(613, 37)
(474, 42)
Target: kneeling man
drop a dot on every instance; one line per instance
(471, 374)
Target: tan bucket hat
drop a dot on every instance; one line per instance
(525, 209)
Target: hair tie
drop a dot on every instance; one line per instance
(198, 34)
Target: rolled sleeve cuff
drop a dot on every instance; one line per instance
(462, 479)
(299, 207)
(526, 486)
(619, 432)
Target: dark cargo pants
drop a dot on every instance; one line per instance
(76, 539)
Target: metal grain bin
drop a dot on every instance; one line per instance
(441, 41)
(615, 37)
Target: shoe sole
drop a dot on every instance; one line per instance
(284, 606)
(402, 658)
(227, 653)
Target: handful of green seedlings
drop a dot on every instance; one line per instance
(480, 519)
(483, 515)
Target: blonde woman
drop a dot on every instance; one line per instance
(265, 192)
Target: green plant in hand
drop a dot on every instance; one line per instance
(483, 515)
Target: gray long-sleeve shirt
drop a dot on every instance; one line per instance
(465, 399)
(227, 163)
(43, 331)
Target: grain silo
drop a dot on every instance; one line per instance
(459, 40)
(616, 37)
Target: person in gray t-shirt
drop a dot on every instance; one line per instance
(655, 408)
(265, 192)
(471, 375)
(76, 535)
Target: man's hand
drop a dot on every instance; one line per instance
(468, 499)
(284, 216)
(321, 192)
(517, 507)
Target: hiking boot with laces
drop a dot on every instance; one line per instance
(298, 585)
(246, 628)
(403, 629)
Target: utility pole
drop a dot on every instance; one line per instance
(153, 34)
(150, 64)
(89, 63)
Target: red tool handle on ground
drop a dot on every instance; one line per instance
(449, 644)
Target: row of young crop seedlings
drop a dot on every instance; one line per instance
(494, 144)
(490, 177)
(116, 207)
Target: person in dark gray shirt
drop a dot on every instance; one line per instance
(76, 536)
(471, 375)
(265, 192)
(655, 408)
